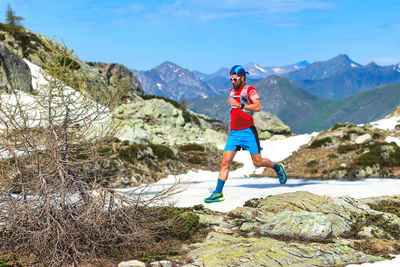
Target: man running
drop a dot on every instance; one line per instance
(244, 101)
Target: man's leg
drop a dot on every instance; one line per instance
(227, 158)
(264, 162)
(261, 162)
(217, 195)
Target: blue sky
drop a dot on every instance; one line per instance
(205, 35)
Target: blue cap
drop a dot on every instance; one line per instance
(238, 69)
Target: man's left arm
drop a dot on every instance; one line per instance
(255, 106)
(254, 100)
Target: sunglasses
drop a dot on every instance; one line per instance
(234, 79)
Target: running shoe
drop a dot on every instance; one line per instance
(215, 197)
(282, 174)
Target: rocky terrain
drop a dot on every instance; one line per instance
(348, 151)
(158, 137)
(22, 43)
(300, 229)
(152, 129)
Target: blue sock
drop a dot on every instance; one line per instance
(276, 167)
(220, 186)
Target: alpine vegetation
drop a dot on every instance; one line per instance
(54, 204)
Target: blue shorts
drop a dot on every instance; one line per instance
(243, 139)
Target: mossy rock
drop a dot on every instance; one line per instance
(187, 116)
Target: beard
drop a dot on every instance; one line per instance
(237, 85)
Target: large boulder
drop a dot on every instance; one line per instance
(300, 229)
(158, 121)
(232, 250)
(113, 72)
(304, 225)
(267, 122)
(14, 72)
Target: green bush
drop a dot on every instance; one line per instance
(370, 158)
(179, 223)
(162, 152)
(9, 261)
(337, 126)
(312, 162)
(131, 152)
(69, 62)
(390, 206)
(375, 155)
(342, 149)
(321, 142)
(341, 125)
(192, 147)
(195, 160)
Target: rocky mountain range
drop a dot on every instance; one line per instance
(339, 77)
(174, 82)
(332, 79)
(306, 112)
(258, 71)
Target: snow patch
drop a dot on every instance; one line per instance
(386, 124)
(260, 68)
(390, 139)
(279, 70)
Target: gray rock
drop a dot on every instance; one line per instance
(232, 250)
(158, 121)
(299, 225)
(132, 263)
(386, 151)
(250, 227)
(264, 135)
(365, 138)
(303, 220)
(265, 121)
(373, 232)
(14, 72)
(161, 264)
(112, 72)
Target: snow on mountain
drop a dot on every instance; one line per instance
(174, 82)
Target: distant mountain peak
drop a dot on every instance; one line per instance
(168, 64)
(372, 64)
(344, 60)
(302, 63)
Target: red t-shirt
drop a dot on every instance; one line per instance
(239, 119)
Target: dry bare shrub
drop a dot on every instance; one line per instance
(52, 144)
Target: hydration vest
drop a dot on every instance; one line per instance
(244, 99)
